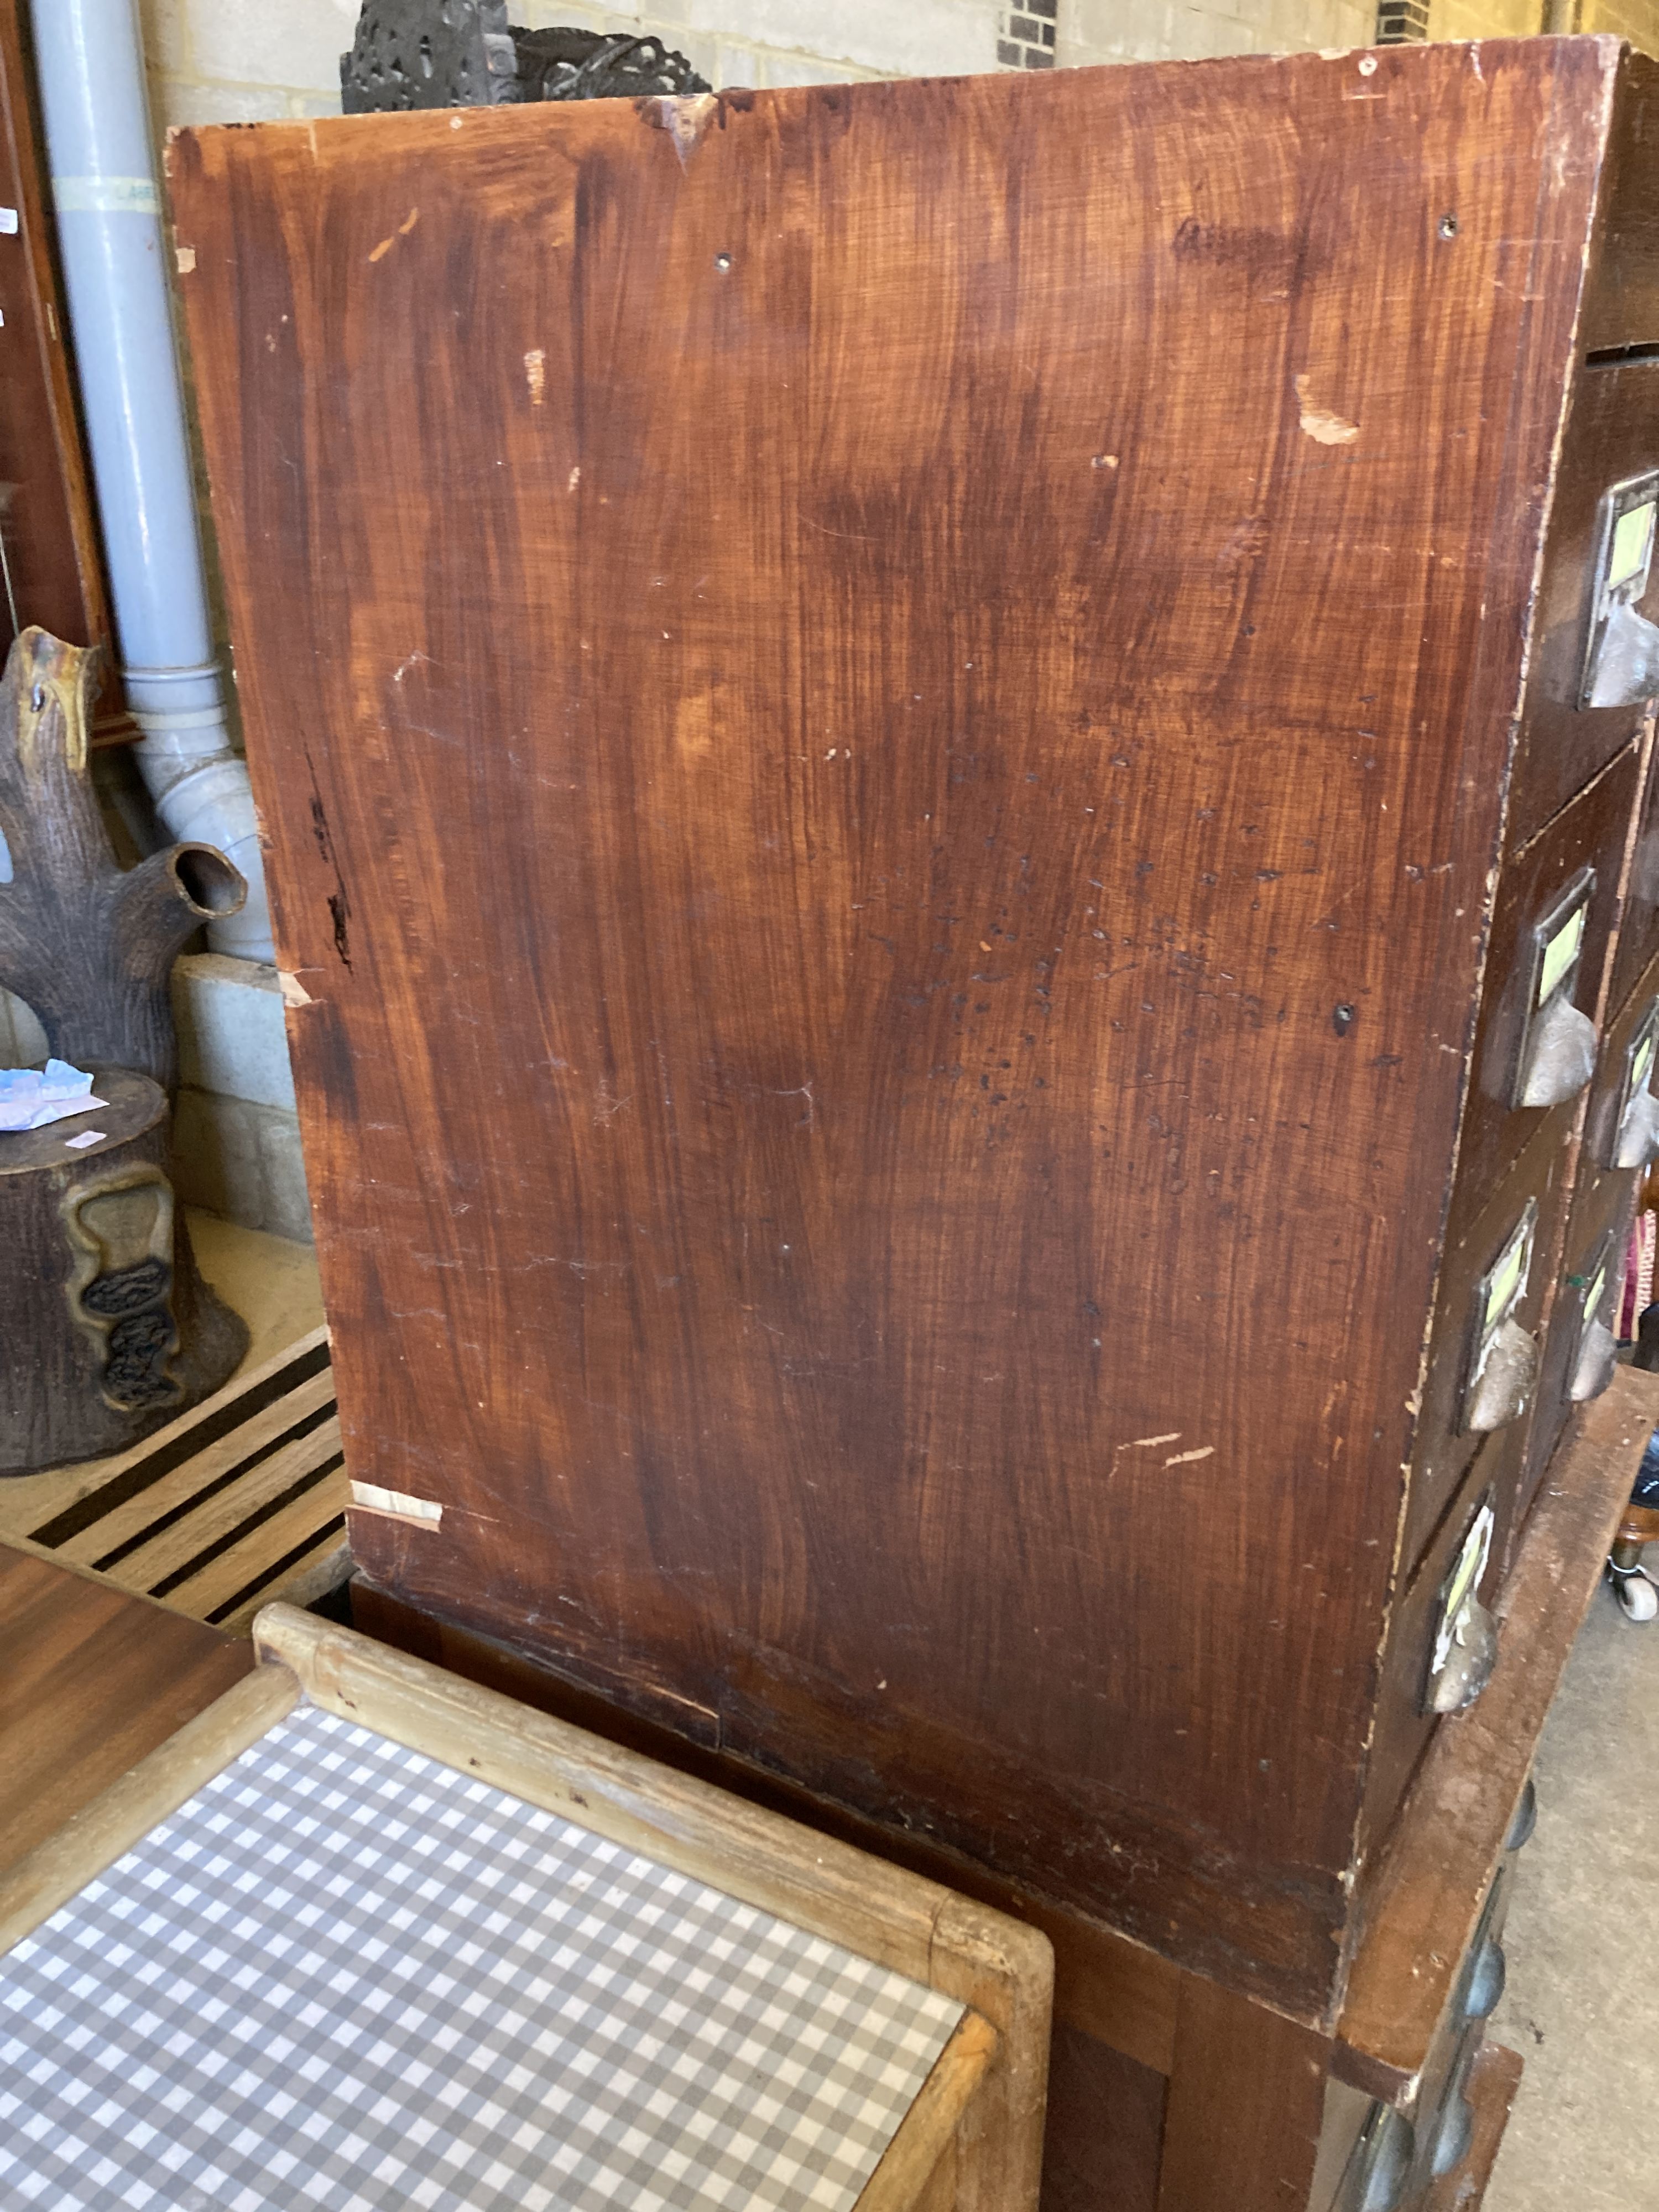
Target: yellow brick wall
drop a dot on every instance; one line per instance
(1635, 20)
(1485, 19)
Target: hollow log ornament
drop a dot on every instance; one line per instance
(88, 945)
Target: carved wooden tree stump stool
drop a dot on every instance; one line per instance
(108, 1328)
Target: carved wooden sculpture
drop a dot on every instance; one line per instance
(465, 53)
(108, 1328)
(90, 945)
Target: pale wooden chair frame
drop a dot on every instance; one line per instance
(972, 2141)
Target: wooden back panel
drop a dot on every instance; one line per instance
(882, 713)
(50, 537)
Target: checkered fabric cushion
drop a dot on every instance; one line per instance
(347, 1978)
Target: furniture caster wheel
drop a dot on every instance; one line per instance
(1636, 1594)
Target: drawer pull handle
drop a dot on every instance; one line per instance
(1487, 1979)
(1470, 1662)
(1380, 2168)
(1468, 1665)
(1598, 1356)
(1621, 652)
(1526, 1819)
(1560, 1056)
(1626, 667)
(1453, 2136)
(1638, 1133)
(1502, 1390)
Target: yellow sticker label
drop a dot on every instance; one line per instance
(1633, 546)
(1561, 951)
(1509, 1279)
(1463, 1581)
(1641, 1066)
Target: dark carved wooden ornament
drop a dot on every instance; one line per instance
(465, 53)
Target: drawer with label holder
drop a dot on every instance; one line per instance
(1594, 664)
(1443, 1639)
(1621, 1122)
(1485, 1352)
(1582, 1320)
(1535, 1048)
(1638, 918)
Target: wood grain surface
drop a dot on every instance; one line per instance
(1115, 1992)
(1247, 2100)
(91, 1681)
(882, 713)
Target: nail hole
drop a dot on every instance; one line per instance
(1342, 1020)
(1449, 226)
(722, 261)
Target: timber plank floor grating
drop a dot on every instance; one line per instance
(240, 1501)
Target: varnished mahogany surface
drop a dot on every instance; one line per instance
(91, 1680)
(883, 715)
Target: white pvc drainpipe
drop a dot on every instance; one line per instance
(91, 60)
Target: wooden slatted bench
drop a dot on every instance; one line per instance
(240, 1502)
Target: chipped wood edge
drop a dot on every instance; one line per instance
(1493, 2081)
(997, 1966)
(88, 1845)
(1425, 1899)
(928, 2131)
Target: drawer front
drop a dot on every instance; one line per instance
(1621, 1126)
(1639, 920)
(1552, 932)
(1584, 1295)
(1405, 1719)
(1440, 2116)
(1468, 1314)
(1486, 1970)
(1376, 2176)
(1612, 439)
(1387, 2157)
(1445, 2123)
(1620, 1123)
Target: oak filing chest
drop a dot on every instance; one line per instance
(964, 826)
